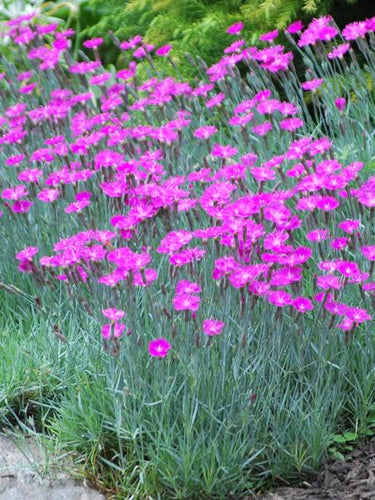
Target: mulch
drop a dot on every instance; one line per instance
(350, 479)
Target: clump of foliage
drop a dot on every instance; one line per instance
(216, 238)
(197, 27)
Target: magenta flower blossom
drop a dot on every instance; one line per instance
(115, 329)
(339, 51)
(223, 151)
(100, 79)
(14, 160)
(145, 278)
(48, 195)
(14, 193)
(302, 304)
(349, 226)
(327, 203)
(113, 314)
(27, 253)
(262, 129)
(286, 275)
(187, 287)
(340, 103)
(291, 124)
(318, 235)
(164, 50)
(224, 266)
(295, 27)
(339, 243)
(159, 348)
(269, 36)
(346, 324)
(357, 315)
(280, 298)
(94, 43)
(186, 302)
(76, 206)
(30, 175)
(347, 268)
(212, 327)
(355, 30)
(369, 252)
(234, 47)
(215, 101)
(204, 132)
(312, 84)
(21, 206)
(329, 282)
(236, 28)
(131, 43)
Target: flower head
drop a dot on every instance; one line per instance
(212, 327)
(159, 348)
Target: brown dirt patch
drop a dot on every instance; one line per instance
(350, 479)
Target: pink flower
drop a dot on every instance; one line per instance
(113, 314)
(131, 43)
(118, 329)
(329, 282)
(212, 327)
(100, 79)
(318, 235)
(327, 203)
(357, 315)
(369, 252)
(339, 51)
(22, 206)
(236, 28)
(14, 160)
(204, 132)
(224, 266)
(340, 103)
(286, 275)
(30, 175)
(186, 302)
(339, 243)
(164, 50)
(346, 324)
(312, 84)
(291, 124)
(159, 348)
(48, 195)
(262, 129)
(280, 298)
(94, 43)
(223, 151)
(302, 304)
(234, 47)
(215, 101)
(145, 278)
(27, 253)
(187, 287)
(295, 27)
(76, 206)
(347, 268)
(269, 36)
(349, 226)
(15, 193)
(355, 30)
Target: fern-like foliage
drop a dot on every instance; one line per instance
(196, 26)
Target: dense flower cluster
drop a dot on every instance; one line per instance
(283, 229)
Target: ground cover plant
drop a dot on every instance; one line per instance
(197, 260)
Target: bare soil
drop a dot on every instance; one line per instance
(349, 479)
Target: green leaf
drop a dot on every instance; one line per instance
(339, 438)
(350, 436)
